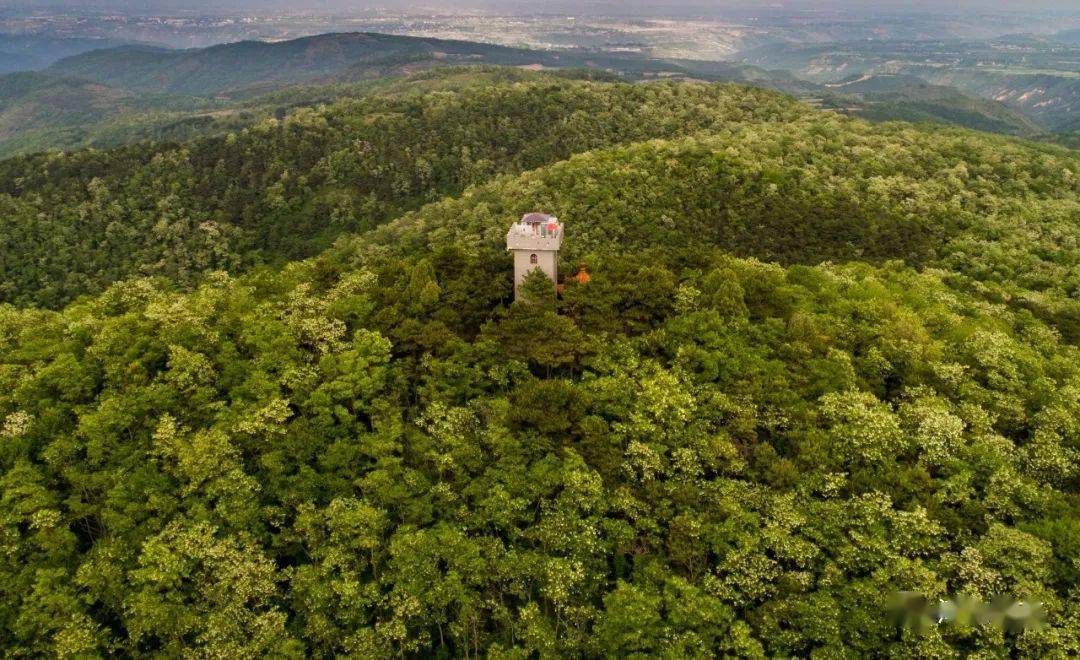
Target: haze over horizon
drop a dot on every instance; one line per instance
(585, 7)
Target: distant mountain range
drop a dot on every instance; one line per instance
(125, 93)
(40, 110)
(26, 52)
(909, 98)
(1052, 99)
(229, 69)
(1037, 76)
(109, 96)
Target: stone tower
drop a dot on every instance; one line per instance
(535, 242)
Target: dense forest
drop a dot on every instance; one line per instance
(74, 223)
(268, 394)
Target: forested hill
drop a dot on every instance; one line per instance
(282, 189)
(115, 96)
(31, 100)
(232, 68)
(998, 215)
(285, 189)
(818, 362)
(908, 98)
(34, 106)
(207, 71)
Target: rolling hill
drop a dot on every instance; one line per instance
(1037, 77)
(24, 52)
(31, 100)
(233, 67)
(115, 96)
(285, 188)
(136, 92)
(1052, 99)
(819, 361)
(909, 98)
(41, 111)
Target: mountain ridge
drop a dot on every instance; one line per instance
(218, 88)
(193, 71)
(905, 97)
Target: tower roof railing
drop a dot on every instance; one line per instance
(535, 231)
(542, 231)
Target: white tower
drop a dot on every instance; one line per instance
(535, 242)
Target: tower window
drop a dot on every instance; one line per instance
(532, 259)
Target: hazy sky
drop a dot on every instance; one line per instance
(581, 7)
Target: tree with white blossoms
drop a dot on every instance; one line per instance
(195, 587)
(863, 430)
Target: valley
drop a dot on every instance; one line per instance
(1037, 76)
